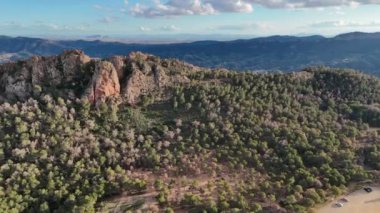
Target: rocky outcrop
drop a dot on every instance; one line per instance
(119, 62)
(104, 83)
(143, 81)
(148, 76)
(73, 74)
(18, 79)
(71, 62)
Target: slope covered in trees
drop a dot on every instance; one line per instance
(246, 142)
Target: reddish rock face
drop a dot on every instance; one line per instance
(104, 83)
(139, 74)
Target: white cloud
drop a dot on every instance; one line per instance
(338, 11)
(165, 28)
(97, 6)
(12, 25)
(173, 8)
(311, 3)
(103, 8)
(344, 24)
(170, 28)
(262, 26)
(109, 19)
(209, 7)
(145, 29)
(41, 26)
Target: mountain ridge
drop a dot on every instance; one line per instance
(287, 53)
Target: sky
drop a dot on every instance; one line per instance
(181, 19)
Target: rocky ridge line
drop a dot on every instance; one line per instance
(75, 75)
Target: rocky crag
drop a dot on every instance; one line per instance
(73, 74)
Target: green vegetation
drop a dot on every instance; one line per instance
(263, 141)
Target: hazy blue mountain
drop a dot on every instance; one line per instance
(355, 50)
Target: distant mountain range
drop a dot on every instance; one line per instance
(355, 50)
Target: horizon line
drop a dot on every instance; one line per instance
(170, 38)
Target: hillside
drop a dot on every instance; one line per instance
(141, 132)
(287, 53)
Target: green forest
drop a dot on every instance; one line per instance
(245, 141)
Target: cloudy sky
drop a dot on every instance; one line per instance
(155, 18)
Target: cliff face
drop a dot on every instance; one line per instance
(18, 80)
(76, 75)
(104, 83)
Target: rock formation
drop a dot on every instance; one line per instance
(119, 62)
(104, 83)
(76, 75)
(18, 79)
(71, 62)
(149, 74)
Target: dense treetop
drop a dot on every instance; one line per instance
(252, 142)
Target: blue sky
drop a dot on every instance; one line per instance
(153, 18)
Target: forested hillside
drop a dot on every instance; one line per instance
(140, 132)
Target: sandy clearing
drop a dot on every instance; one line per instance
(359, 202)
